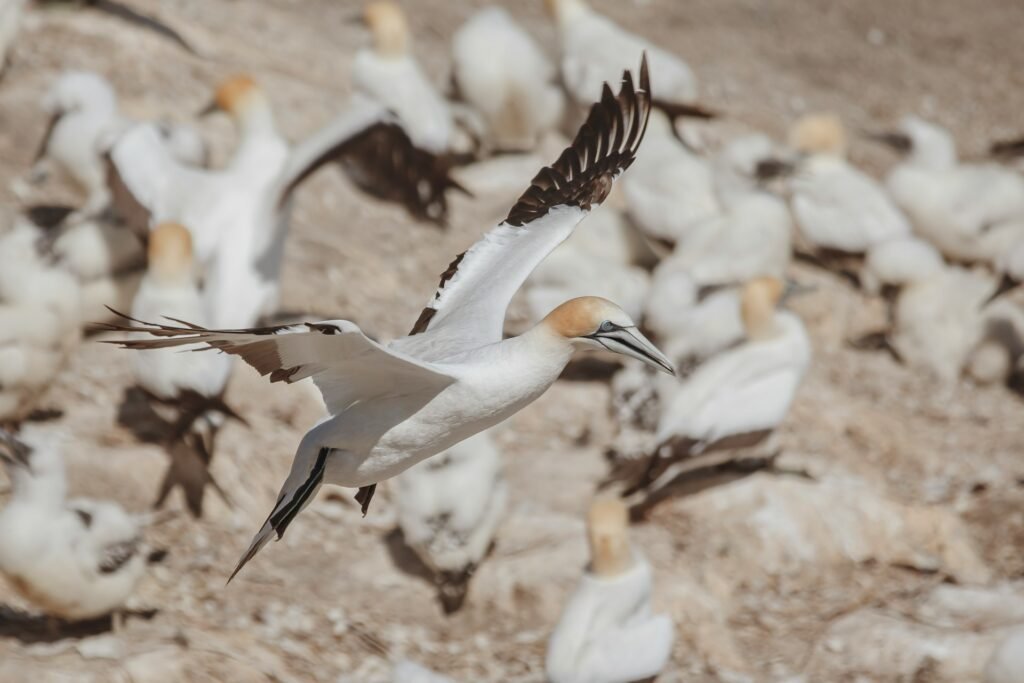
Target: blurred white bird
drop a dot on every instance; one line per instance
(74, 559)
(836, 206)
(971, 212)
(504, 76)
(669, 190)
(607, 632)
(595, 50)
(188, 392)
(735, 399)
(40, 319)
(449, 509)
(389, 74)
(454, 375)
(84, 116)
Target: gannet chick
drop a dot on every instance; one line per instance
(835, 206)
(595, 50)
(500, 71)
(388, 73)
(455, 375)
(187, 392)
(736, 398)
(669, 190)
(73, 559)
(449, 509)
(607, 632)
(40, 319)
(84, 114)
(971, 212)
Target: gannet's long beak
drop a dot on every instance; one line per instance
(629, 342)
(209, 109)
(899, 142)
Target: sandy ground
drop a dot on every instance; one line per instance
(339, 598)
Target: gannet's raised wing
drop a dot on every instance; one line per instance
(468, 309)
(346, 365)
(379, 157)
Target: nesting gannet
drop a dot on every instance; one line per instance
(670, 189)
(595, 49)
(453, 375)
(738, 397)
(84, 114)
(836, 206)
(74, 559)
(501, 72)
(186, 391)
(39, 320)
(971, 212)
(449, 509)
(388, 73)
(607, 632)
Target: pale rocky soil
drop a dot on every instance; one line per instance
(903, 561)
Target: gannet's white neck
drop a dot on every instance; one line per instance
(932, 147)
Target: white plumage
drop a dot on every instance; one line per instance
(449, 509)
(501, 72)
(608, 632)
(74, 559)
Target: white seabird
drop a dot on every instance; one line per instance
(736, 398)
(501, 72)
(185, 390)
(971, 212)
(836, 206)
(454, 375)
(84, 115)
(607, 632)
(449, 509)
(74, 559)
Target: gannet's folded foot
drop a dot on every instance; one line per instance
(364, 495)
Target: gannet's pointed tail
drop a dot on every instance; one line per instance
(298, 490)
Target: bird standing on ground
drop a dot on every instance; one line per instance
(501, 72)
(454, 375)
(74, 559)
(184, 389)
(607, 632)
(449, 509)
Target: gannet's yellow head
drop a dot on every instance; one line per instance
(563, 11)
(608, 533)
(598, 323)
(170, 252)
(389, 27)
(758, 301)
(819, 134)
(235, 95)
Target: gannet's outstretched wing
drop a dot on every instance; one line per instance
(345, 364)
(468, 309)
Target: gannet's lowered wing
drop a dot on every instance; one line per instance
(345, 364)
(468, 309)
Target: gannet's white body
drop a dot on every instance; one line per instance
(608, 632)
(84, 119)
(670, 191)
(392, 406)
(835, 205)
(389, 74)
(969, 211)
(40, 319)
(74, 559)
(449, 509)
(502, 73)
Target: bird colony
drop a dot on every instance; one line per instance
(585, 459)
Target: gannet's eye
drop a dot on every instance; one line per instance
(607, 326)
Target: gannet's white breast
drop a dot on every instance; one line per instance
(838, 207)
(607, 633)
(401, 86)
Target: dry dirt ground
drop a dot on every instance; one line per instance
(338, 598)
